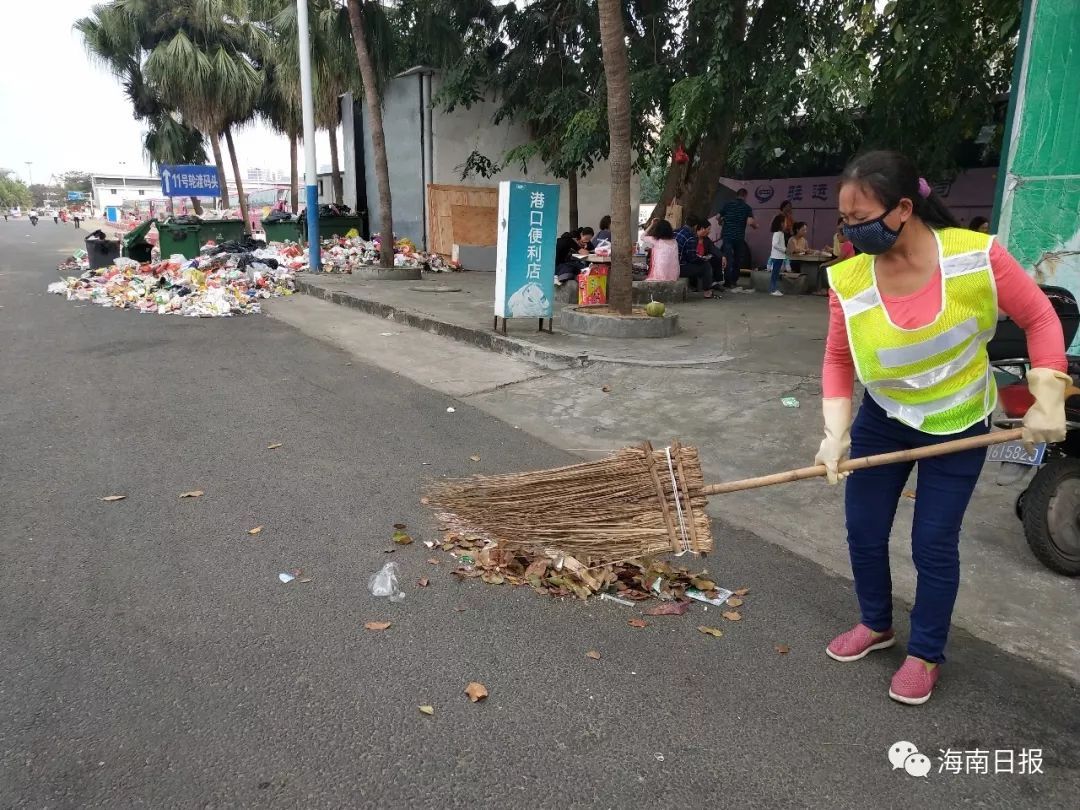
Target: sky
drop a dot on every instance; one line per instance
(63, 112)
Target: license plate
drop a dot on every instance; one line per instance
(1016, 453)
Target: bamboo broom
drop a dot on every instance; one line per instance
(635, 502)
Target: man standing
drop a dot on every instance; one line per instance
(734, 217)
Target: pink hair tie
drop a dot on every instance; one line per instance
(924, 188)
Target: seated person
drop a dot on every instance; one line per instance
(695, 262)
(663, 251)
(797, 246)
(588, 236)
(604, 234)
(570, 250)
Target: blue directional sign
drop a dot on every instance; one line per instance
(190, 181)
(76, 196)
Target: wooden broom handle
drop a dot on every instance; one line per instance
(956, 446)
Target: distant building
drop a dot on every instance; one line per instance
(114, 190)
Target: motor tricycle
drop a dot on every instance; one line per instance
(1049, 506)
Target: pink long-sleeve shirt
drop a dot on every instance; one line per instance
(1019, 297)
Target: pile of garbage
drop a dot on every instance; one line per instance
(350, 252)
(223, 281)
(549, 572)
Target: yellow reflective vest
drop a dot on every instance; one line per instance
(935, 378)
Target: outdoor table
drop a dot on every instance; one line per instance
(811, 268)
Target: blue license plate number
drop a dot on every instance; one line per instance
(1016, 453)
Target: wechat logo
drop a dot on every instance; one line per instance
(905, 755)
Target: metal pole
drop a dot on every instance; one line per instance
(308, 104)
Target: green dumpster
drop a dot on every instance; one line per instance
(179, 237)
(336, 226)
(222, 230)
(135, 245)
(283, 231)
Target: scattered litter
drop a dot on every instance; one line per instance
(351, 252)
(474, 458)
(710, 631)
(385, 583)
(389, 334)
(476, 691)
(742, 591)
(732, 615)
(638, 623)
(429, 543)
(195, 493)
(110, 498)
(273, 446)
(790, 402)
(659, 756)
(606, 389)
(451, 410)
(607, 597)
(593, 654)
(255, 531)
(423, 582)
(722, 595)
(783, 649)
(668, 609)
(286, 577)
(734, 602)
(429, 710)
(434, 561)
(376, 625)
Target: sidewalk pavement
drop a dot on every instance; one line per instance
(718, 385)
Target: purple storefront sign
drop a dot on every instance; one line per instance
(813, 200)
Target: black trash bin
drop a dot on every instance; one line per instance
(100, 250)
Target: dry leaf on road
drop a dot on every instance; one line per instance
(606, 389)
(710, 631)
(400, 527)
(668, 609)
(376, 625)
(783, 649)
(742, 591)
(110, 498)
(423, 582)
(474, 458)
(256, 530)
(732, 615)
(638, 623)
(476, 691)
(734, 602)
(401, 538)
(273, 446)
(427, 709)
(434, 561)
(593, 654)
(195, 493)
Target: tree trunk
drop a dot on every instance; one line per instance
(196, 206)
(239, 180)
(572, 199)
(294, 174)
(378, 140)
(617, 72)
(335, 169)
(215, 144)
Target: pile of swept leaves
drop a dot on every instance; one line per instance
(550, 572)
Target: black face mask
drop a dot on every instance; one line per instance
(874, 236)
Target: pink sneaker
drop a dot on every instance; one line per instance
(857, 642)
(913, 683)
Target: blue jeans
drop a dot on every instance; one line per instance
(775, 265)
(945, 487)
(731, 273)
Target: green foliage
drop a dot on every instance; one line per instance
(13, 191)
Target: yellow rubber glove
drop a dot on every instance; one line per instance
(837, 441)
(1045, 420)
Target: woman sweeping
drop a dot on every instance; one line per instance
(911, 316)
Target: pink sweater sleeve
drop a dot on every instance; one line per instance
(1019, 297)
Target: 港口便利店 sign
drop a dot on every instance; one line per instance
(525, 256)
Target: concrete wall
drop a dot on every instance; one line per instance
(401, 128)
(455, 136)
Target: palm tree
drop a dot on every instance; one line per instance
(617, 73)
(279, 105)
(365, 14)
(204, 64)
(169, 141)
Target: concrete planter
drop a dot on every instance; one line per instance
(759, 280)
(582, 321)
(669, 292)
(792, 284)
(375, 273)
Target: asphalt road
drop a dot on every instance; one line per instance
(150, 657)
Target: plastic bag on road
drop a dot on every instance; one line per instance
(385, 583)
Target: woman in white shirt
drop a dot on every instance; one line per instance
(778, 254)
